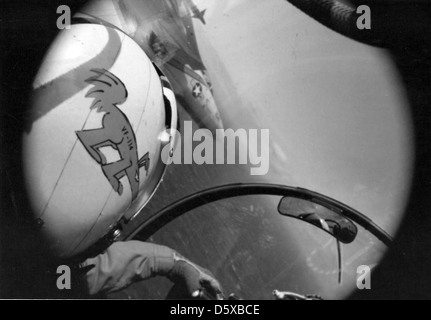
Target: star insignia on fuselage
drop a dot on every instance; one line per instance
(197, 90)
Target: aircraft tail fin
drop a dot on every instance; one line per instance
(200, 15)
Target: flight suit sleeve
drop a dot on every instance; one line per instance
(125, 263)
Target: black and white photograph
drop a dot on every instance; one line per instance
(222, 150)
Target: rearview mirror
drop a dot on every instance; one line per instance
(321, 217)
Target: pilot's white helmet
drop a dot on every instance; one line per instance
(101, 114)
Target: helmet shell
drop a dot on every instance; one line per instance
(92, 151)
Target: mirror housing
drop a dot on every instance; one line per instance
(323, 217)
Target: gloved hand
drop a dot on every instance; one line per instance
(127, 262)
(194, 281)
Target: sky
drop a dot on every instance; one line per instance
(336, 110)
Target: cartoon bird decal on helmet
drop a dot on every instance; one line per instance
(116, 132)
